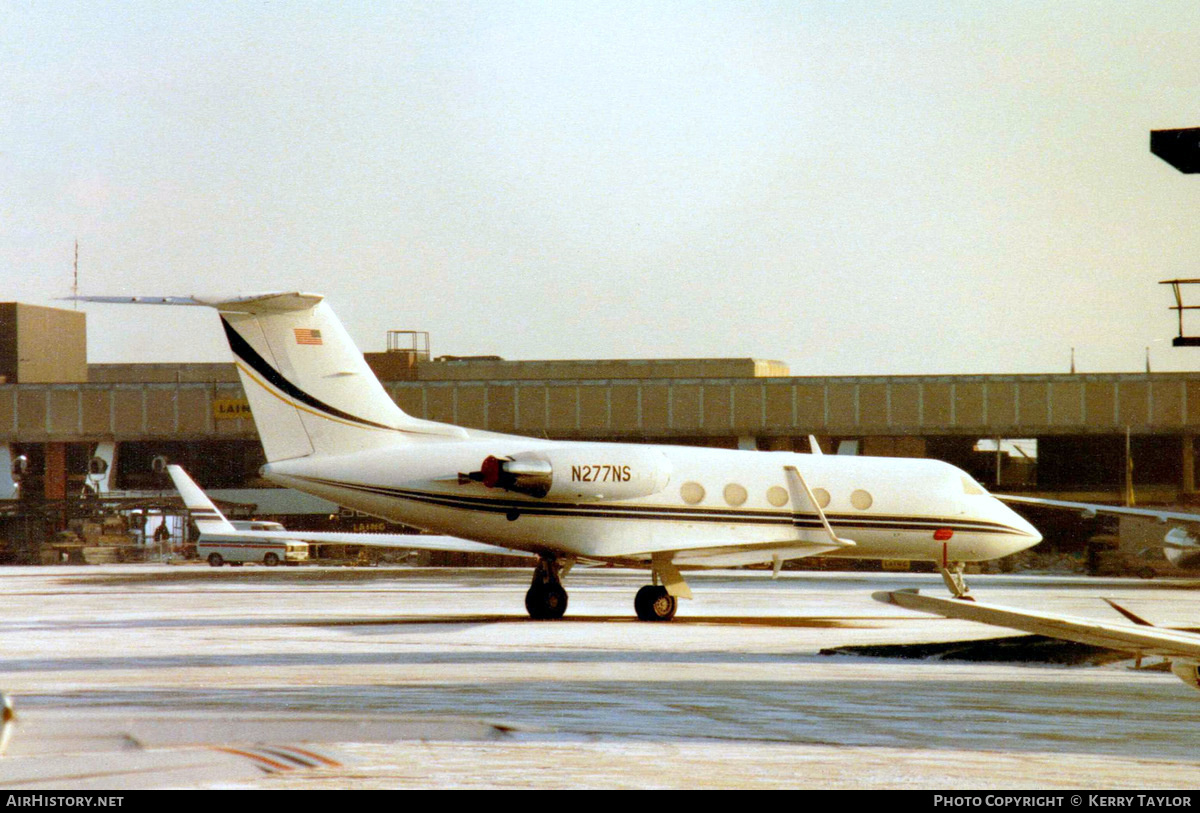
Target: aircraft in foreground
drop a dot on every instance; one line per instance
(329, 428)
(1181, 543)
(1180, 647)
(223, 540)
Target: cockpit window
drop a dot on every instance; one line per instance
(972, 487)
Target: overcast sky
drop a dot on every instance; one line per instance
(849, 187)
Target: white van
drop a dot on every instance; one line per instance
(270, 552)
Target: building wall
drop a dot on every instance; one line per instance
(979, 406)
(42, 345)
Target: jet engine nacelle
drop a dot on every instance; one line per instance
(1188, 672)
(1181, 548)
(593, 473)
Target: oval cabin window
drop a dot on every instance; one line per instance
(735, 494)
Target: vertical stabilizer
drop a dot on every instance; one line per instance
(309, 387)
(207, 516)
(310, 390)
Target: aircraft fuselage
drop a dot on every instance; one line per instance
(612, 501)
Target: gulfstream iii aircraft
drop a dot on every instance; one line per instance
(329, 428)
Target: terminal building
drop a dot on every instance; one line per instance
(69, 428)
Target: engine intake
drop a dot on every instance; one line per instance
(533, 477)
(594, 472)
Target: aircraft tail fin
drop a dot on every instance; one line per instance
(207, 516)
(310, 390)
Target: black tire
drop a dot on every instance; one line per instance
(271, 559)
(215, 559)
(546, 602)
(654, 603)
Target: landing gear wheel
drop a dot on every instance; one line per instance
(546, 602)
(215, 559)
(654, 603)
(271, 559)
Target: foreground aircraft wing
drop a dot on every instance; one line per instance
(1141, 639)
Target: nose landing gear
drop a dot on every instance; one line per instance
(952, 575)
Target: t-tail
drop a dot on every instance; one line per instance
(310, 389)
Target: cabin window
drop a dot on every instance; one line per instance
(777, 496)
(861, 499)
(735, 494)
(692, 493)
(822, 497)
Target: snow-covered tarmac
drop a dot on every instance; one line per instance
(149, 675)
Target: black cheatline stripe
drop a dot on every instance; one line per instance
(242, 349)
(500, 506)
(662, 512)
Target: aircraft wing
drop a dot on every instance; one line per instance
(1181, 543)
(1092, 509)
(1139, 639)
(402, 541)
(736, 554)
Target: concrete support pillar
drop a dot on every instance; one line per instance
(56, 471)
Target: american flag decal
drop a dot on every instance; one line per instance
(306, 335)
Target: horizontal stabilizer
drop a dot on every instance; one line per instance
(275, 301)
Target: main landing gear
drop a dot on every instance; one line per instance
(659, 601)
(654, 603)
(546, 599)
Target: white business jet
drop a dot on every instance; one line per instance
(329, 428)
(239, 541)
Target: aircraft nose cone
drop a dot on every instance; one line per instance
(1023, 535)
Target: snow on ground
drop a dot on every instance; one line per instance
(733, 693)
